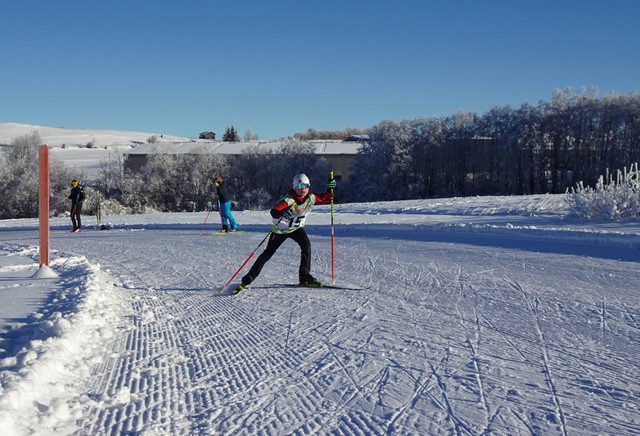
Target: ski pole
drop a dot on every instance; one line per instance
(221, 219)
(215, 187)
(98, 212)
(205, 222)
(333, 280)
(250, 255)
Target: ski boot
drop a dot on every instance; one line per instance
(239, 289)
(310, 282)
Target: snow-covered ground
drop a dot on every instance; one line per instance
(480, 315)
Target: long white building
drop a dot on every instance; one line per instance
(340, 154)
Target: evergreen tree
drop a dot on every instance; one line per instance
(230, 135)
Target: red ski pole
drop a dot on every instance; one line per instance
(205, 222)
(248, 259)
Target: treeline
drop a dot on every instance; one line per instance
(543, 148)
(313, 134)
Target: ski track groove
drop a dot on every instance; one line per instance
(534, 308)
(417, 393)
(506, 339)
(475, 358)
(458, 424)
(633, 322)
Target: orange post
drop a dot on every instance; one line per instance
(43, 205)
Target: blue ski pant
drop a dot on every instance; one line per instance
(228, 221)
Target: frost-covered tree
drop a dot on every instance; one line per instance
(250, 136)
(19, 179)
(259, 172)
(110, 175)
(615, 199)
(313, 134)
(381, 166)
(174, 182)
(427, 137)
(135, 197)
(200, 169)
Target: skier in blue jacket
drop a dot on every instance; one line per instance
(224, 198)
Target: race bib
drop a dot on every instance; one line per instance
(290, 224)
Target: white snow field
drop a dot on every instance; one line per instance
(493, 315)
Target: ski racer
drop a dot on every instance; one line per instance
(289, 217)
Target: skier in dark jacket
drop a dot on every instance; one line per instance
(224, 199)
(77, 197)
(289, 217)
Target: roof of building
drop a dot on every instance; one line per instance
(220, 147)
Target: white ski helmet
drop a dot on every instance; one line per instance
(301, 178)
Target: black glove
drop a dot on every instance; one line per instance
(286, 214)
(332, 184)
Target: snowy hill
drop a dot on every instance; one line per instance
(494, 315)
(71, 145)
(57, 137)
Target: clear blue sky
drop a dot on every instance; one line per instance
(279, 67)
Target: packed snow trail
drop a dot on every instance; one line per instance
(451, 338)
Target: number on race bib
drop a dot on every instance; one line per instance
(297, 221)
(294, 222)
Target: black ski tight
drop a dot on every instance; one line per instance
(275, 241)
(75, 216)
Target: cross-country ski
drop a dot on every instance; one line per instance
(319, 286)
